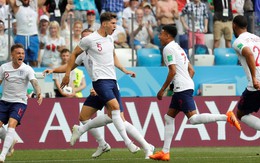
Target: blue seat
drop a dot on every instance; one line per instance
(149, 57)
(225, 56)
(157, 41)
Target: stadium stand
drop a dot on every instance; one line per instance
(149, 57)
(225, 56)
(124, 55)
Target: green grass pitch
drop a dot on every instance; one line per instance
(178, 155)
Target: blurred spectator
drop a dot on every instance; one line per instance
(239, 4)
(257, 17)
(127, 14)
(143, 32)
(79, 82)
(67, 21)
(55, 8)
(86, 32)
(52, 44)
(99, 4)
(153, 4)
(166, 12)
(91, 21)
(248, 9)
(120, 38)
(57, 77)
(116, 6)
(183, 35)
(4, 56)
(26, 15)
(199, 10)
(149, 17)
(43, 31)
(4, 11)
(181, 4)
(210, 15)
(43, 26)
(13, 29)
(77, 28)
(223, 17)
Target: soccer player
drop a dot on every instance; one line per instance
(102, 61)
(15, 76)
(93, 102)
(247, 46)
(181, 73)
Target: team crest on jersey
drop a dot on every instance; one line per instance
(169, 58)
(21, 73)
(239, 46)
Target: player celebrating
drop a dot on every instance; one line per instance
(181, 73)
(15, 76)
(101, 67)
(247, 46)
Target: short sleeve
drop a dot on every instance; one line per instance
(79, 59)
(238, 45)
(168, 56)
(31, 73)
(84, 43)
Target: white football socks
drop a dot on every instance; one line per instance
(119, 124)
(169, 129)
(2, 133)
(206, 118)
(96, 134)
(98, 121)
(9, 139)
(133, 132)
(251, 121)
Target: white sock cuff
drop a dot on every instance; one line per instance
(168, 118)
(11, 130)
(115, 113)
(86, 121)
(193, 119)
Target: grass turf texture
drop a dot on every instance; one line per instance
(178, 155)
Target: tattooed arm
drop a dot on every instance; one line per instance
(37, 90)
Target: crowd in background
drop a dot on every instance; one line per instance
(46, 27)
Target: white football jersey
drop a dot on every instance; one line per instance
(252, 41)
(174, 54)
(15, 82)
(84, 58)
(100, 51)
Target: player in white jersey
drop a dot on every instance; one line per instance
(93, 102)
(15, 77)
(100, 48)
(180, 74)
(247, 46)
